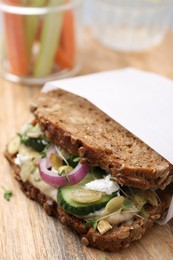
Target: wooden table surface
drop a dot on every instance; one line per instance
(26, 232)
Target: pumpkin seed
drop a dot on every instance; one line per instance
(13, 146)
(152, 198)
(34, 131)
(55, 161)
(29, 151)
(114, 204)
(86, 196)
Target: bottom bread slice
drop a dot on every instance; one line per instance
(118, 237)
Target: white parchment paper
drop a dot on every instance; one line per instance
(142, 102)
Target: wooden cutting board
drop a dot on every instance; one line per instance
(26, 232)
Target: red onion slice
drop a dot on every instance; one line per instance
(52, 177)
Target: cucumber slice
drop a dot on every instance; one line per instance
(65, 199)
(86, 196)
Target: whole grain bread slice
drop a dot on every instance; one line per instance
(81, 128)
(118, 237)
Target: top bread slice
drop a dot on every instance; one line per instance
(81, 128)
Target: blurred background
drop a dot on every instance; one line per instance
(87, 12)
(49, 40)
(129, 25)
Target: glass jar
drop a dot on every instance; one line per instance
(41, 39)
(130, 25)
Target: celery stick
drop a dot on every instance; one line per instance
(49, 41)
(31, 25)
(3, 52)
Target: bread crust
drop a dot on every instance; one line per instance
(119, 237)
(81, 128)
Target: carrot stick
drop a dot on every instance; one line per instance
(15, 42)
(65, 55)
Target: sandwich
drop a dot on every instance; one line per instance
(87, 170)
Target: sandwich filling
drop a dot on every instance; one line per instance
(87, 193)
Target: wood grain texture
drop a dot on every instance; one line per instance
(26, 232)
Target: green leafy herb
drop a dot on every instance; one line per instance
(143, 213)
(44, 151)
(67, 179)
(38, 144)
(96, 173)
(24, 138)
(73, 160)
(19, 134)
(76, 159)
(33, 169)
(63, 170)
(127, 204)
(90, 223)
(8, 194)
(106, 257)
(99, 172)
